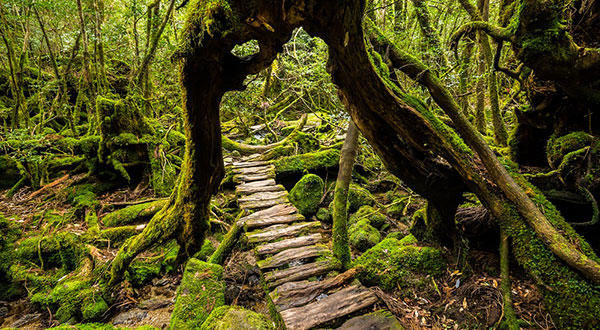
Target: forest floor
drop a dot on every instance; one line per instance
(475, 303)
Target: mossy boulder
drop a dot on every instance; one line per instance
(357, 197)
(306, 194)
(9, 233)
(397, 207)
(362, 235)
(60, 250)
(324, 215)
(236, 318)
(369, 213)
(397, 263)
(202, 289)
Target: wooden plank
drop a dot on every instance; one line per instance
(262, 196)
(286, 256)
(248, 190)
(302, 272)
(275, 232)
(252, 177)
(260, 183)
(254, 170)
(294, 294)
(339, 304)
(275, 247)
(269, 221)
(277, 210)
(263, 204)
(250, 163)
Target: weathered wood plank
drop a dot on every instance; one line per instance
(286, 256)
(248, 190)
(250, 163)
(262, 196)
(254, 170)
(277, 210)
(277, 231)
(252, 177)
(294, 294)
(289, 243)
(339, 304)
(302, 272)
(263, 204)
(283, 219)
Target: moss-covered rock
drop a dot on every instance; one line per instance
(306, 194)
(202, 289)
(60, 250)
(357, 197)
(236, 318)
(392, 263)
(9, 233)
(73, 300)
(396, 209)
(324, 215)
(99, 326)
(369, 213)
(362, 235)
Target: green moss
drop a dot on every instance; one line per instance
(307, 193)
(93, 308)
(397, 209)
(206, 251)
(236, 318)
(99, 326)
(60, 250)
(142, 272)
(324, 215)
(9, 233)
(559, 147)
(74, 299)
(362, 235)
(357, 197)
(201, 290)
(396, 234)
(391, 264)
(116, 236)
(369, 213)
(133, 214)
(310, 162)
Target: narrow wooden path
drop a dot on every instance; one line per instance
(291, 250)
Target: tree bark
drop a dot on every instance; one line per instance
(341, 249)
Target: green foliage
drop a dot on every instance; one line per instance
(307, 193)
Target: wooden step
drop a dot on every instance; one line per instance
(286, 256)
(251, 205)
(283, 219)
(272, 248)
(275, 232)
(294, 294)
(240, 190)
(252, 177)
(301, 272)
(254, 170)
(260, 183)
(339, 304)
(262, 196)
(250, 163)
(275, 211)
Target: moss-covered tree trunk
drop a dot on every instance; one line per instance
(341, 249)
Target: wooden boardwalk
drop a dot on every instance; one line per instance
(292, 252)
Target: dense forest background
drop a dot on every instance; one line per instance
(95, 103)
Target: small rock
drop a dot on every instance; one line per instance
(160, 281)
(129, 317)
(3, 311)
(25, 319)
(155, 303)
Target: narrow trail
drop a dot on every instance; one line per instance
(290, 250)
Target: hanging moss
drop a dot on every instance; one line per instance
(201, 291)
(393, 263)
(236, 318)
(307, 193)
